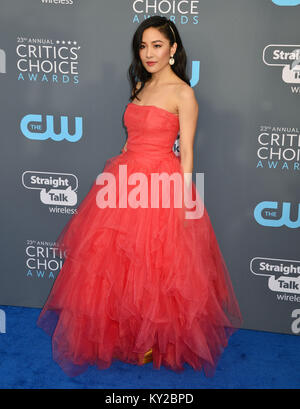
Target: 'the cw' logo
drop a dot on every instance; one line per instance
(267, 214)
(32, 127)
(286, 2)
(195, 73)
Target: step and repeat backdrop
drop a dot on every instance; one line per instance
(64, 90)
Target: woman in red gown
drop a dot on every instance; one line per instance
(143, 283)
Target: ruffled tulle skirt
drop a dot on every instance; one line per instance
(136, 279)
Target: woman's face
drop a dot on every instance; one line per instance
(155, 47)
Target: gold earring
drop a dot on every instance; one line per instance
(171, 60)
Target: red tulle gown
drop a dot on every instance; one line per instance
(140, 279)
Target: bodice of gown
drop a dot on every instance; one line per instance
(152, 130)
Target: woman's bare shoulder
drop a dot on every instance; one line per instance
(184, 89)
(186, 92)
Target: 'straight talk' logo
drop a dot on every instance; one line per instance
(55, 188)
(286, 56)
(284, 275)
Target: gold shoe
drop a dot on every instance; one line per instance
(148, 357)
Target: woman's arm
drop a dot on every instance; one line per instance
(188, 116)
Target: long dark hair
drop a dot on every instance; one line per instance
(136, 71)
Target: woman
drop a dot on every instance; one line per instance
(142, 282)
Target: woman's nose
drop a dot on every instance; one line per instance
(148, 52)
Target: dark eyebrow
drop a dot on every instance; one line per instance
(155, 41)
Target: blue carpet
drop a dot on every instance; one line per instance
(253, 359)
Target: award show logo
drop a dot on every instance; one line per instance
(272, 214)
(278, 147)
(288, 57)
(56, 189)
(181, 12)
(33, 127)
(46, 60)
(2, 62)
(43, 259)
(283, 276)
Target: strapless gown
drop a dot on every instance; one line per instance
(136, 279)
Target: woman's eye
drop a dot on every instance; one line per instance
(156, 45)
